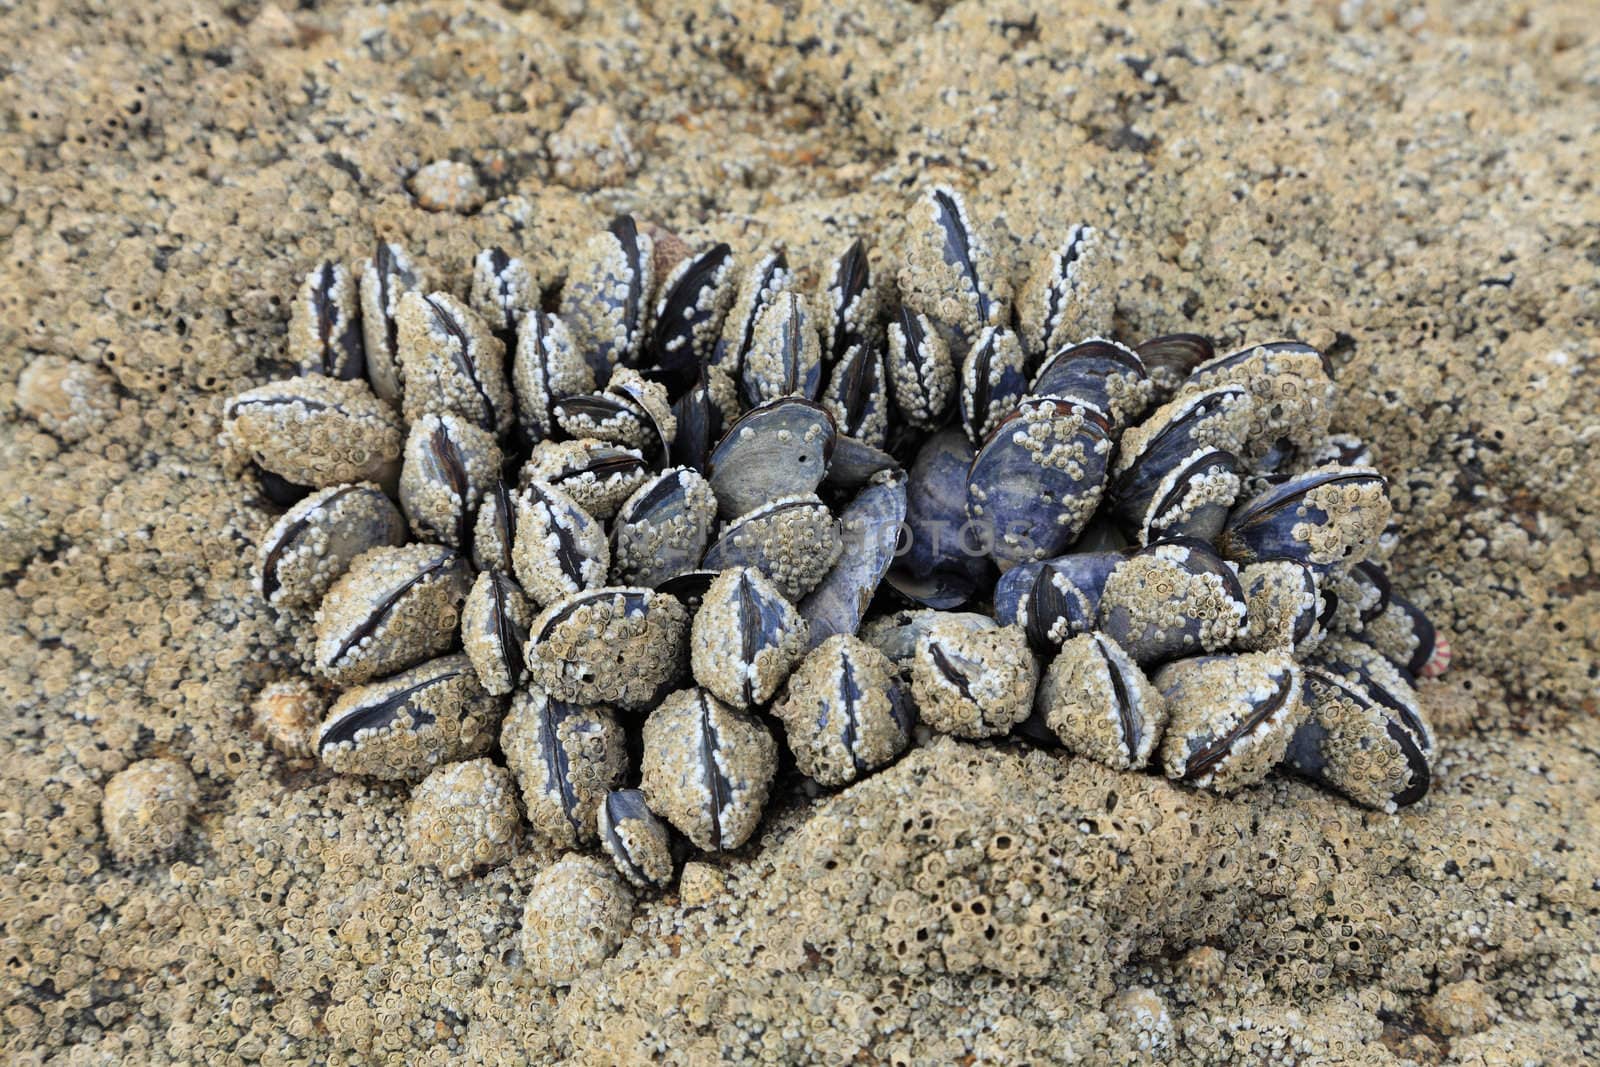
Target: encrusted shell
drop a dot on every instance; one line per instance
(745, 639)
(973, 680)
(843, 713)
(1326, 518)
(1172, 599)
(560, 549)
(313, 544)
(948, 271)
(857, 395)
(710, 404)
(620, 646)
(385, 278)
(1054, 599)
(758, 287)
(1361, 664)
(494, 628)
(1100, 704)
(545, 368)
(1284, 607)
(778, 449)
(994, 377)
(325, 324)
(1171, 357)
(316, 431)
(921, 372)
(630, 412)
(597, 475)
(463, 817)
(785, 356)
(503, 291)
(605, 300)
(1356, 596)
(792, 540)
(636, 839)
(1293, 395)
(662, 529)
(450, 464)
(1069, 295)
(695, 300)
(393, 607)
(1108, 375)
(866, 535)
(405, 725)
(566, 758)
(1038, 478)
(452, 362)
(1404, 634)
(1357, 746)
(707, 768)
(576, 914)
(1229, 718)
(495, 530)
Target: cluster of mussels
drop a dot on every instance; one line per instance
(702, 493)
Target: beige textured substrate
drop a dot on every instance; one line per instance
(1407, 186)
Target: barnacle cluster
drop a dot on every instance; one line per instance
(701, 521)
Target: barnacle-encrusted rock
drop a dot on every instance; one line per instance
(316, 431)
(662, 529)
(312, 545)
(560, 549)
(393, 607)
(146, 807)
(599, 476)
(452, 362)
(405, 725)
(1100, 704)
(1229, 718)
(638, 842)
(843, 713)
(68, 398)
(287, 714)
(707, 768)
(566, 757)
(449, 465)
(325, 324)
(1172, 599)
(494, 628)
(745, 639)
(462, 817)
(615, 645)
(972, 679)
(576, 914)
(793, 540)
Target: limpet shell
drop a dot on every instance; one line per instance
(576, 914)
(463, 817)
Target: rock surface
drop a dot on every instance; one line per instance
(1408, 186)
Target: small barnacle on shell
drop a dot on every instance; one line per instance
(146, 807)
(287, 714)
